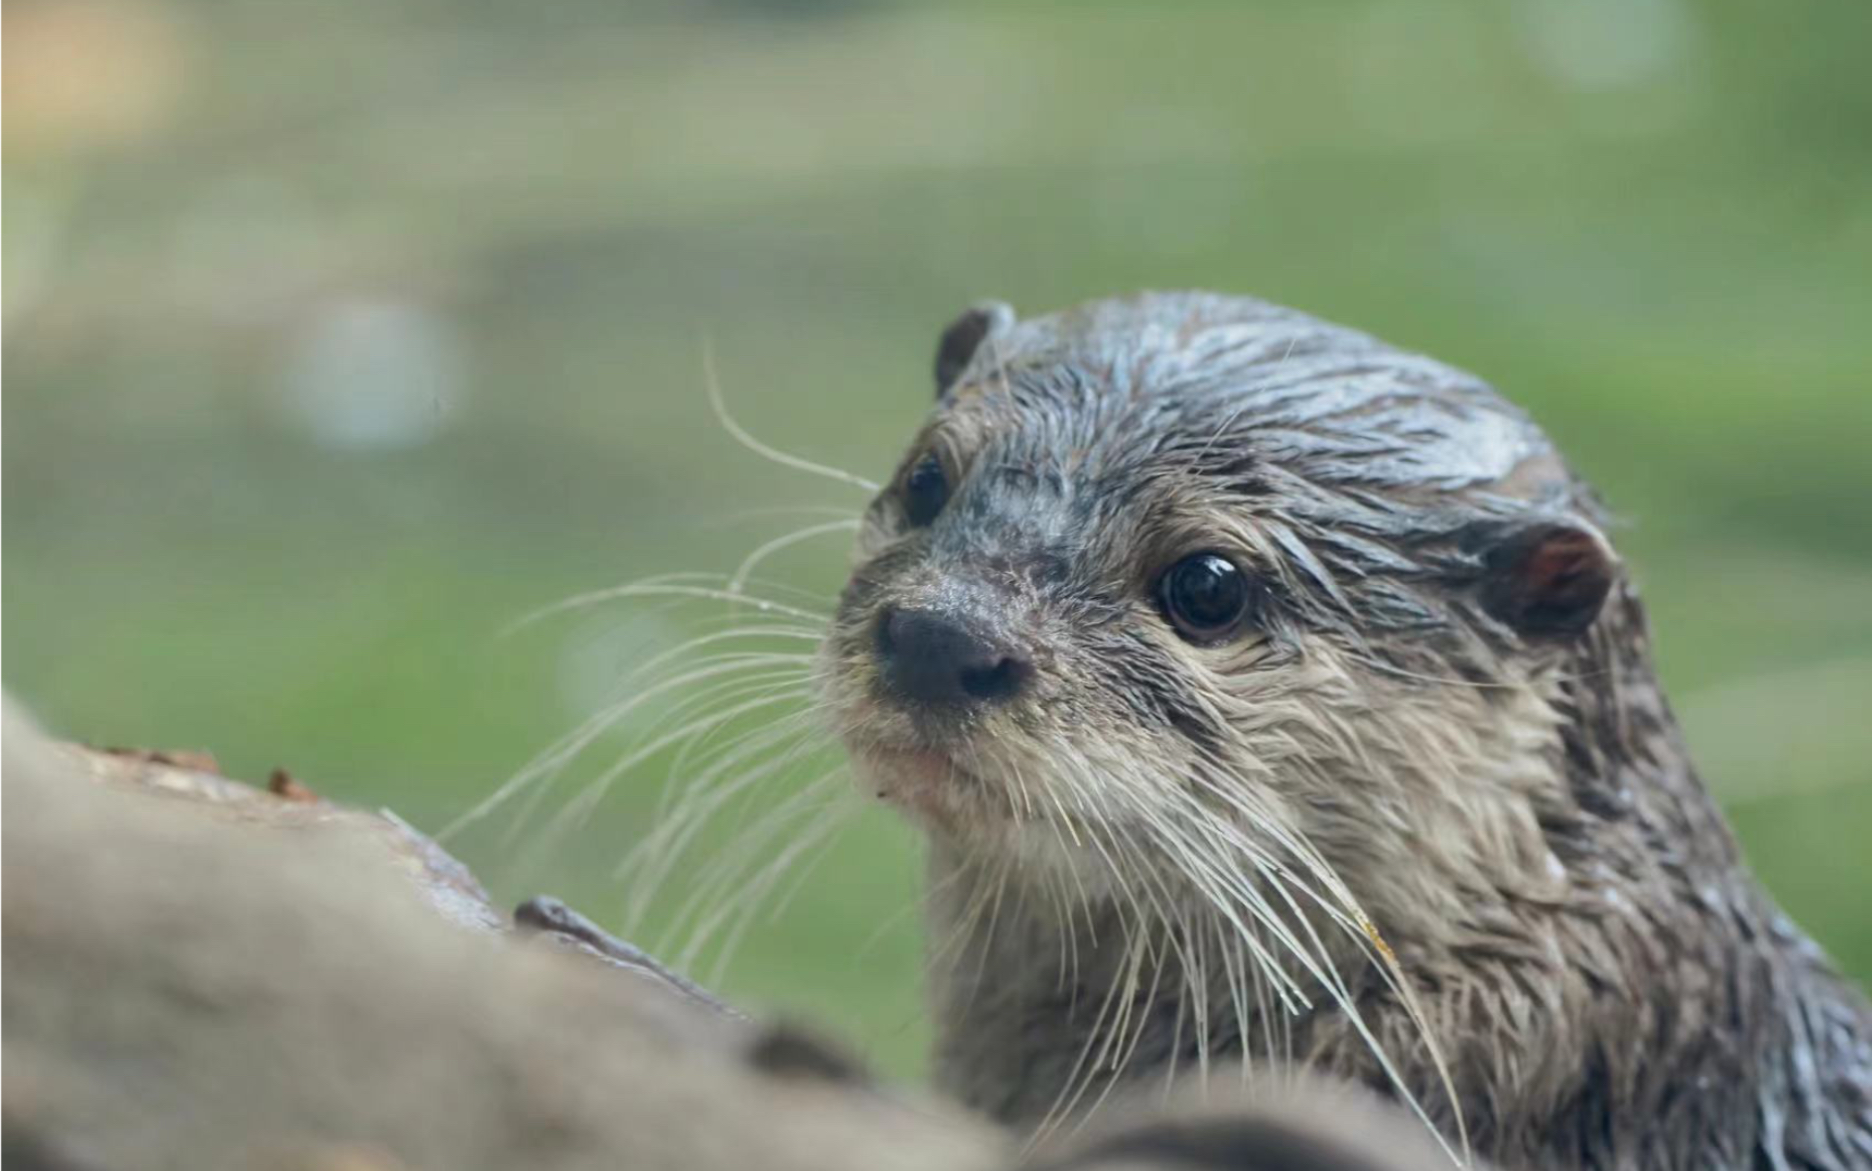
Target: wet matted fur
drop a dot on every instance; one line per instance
(1423, 819)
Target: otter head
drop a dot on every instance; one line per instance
(1200, 585)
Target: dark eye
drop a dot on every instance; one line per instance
(1205, 597)
(925, 491)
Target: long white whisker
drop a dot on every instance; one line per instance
(1358, 925)
(702, 797)
(651, 588)
(572, 745)
(732, 864)
(720, 406)
(739, 581)
(581, 806)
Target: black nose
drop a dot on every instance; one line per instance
(938, 659)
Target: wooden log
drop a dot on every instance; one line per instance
(201, 975)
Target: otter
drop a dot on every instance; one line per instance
(1271, 695)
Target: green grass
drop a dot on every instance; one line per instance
(1671, 272)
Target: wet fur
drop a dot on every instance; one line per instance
(1397, 763)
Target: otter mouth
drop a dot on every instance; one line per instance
(898, 773)
(929, 784)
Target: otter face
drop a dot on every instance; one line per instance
(1170, 572)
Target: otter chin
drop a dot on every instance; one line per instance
(1270, 694)
(927, 786)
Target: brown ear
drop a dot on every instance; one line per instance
(965, 335)
(1550, 579)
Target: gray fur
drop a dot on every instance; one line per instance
(1155, 838)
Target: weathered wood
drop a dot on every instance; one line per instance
(200, 975)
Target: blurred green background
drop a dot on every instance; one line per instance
(341, 335)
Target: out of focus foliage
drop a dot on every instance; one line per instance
(340, 335)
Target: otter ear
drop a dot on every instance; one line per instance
(1549, 579)
(965, 335)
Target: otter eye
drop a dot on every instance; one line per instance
(925, 491)
(1205, 597)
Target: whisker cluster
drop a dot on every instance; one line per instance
(725, 718)
(1175, 888)
(1207, 876)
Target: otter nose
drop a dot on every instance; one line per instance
(941, 659)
